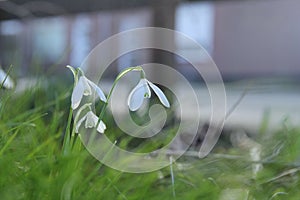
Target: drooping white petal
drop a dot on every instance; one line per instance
(91, 120)
(101, 127)
(87, 89)
(77, 94)
(78, 124)
(82, 88)
(8, 83)
(137, 95)
(98, 90)
(162, 97)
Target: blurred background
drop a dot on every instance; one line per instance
(253, 41)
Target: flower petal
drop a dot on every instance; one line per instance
(2, 75)
(137, 95)
(162, 97)
(91, 120)
(101, 127)
(79, 123)
(77, 94)
(98, 90)
(6, 80)
(87, 89)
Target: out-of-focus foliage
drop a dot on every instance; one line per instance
(32, 166)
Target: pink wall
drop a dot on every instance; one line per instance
(255, 38)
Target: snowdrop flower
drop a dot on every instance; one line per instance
(84, 87)
(91, 121)
(6, 80)
(141, 91)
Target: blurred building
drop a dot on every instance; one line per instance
(257, 38)
(245, 38)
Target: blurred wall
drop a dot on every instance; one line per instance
(249, 38)
(257, 38)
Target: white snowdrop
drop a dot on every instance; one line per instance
(91, 121)
(6, 80)
(84, 88)
(141, 91)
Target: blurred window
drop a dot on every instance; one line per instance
(11, 27)
(49, 38)
(10, 31)
(80, 39)
(196, 20)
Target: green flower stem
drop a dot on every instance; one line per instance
(103, 109)
(96, 170)
(67, 137)
(123, 73)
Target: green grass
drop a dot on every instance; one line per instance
(32, 165)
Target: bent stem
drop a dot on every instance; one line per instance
(68, 135)
(103, 109)
(123, 73)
